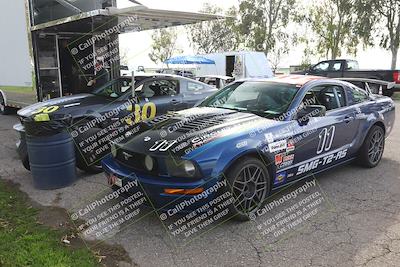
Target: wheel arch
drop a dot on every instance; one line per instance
(268, 162)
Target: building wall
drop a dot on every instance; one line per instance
(15, 63)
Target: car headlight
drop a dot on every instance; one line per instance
(149, 163)
(182, 168)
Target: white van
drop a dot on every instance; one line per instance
(244, 64)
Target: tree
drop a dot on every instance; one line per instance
(262, 21)
(164, 45)
(216, 35)
(333, 21)
(375, 13)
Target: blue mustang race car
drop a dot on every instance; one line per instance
(258, 135)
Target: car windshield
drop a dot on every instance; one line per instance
(267, 99)
(114, 88)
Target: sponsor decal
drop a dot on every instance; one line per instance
(280, 178)
(290, 146)
(314, 164)
(277, 146)
(269, 137)
(278, 159)
(282, 160)
(241, 144)
(288, 158)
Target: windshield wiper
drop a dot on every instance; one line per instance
(235, 109)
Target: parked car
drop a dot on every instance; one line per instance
(184, 73)
(259, 134)
(166, 92)
(215, 80)
(349, 69)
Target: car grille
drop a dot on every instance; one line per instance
(135, 161)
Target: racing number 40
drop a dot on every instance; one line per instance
(326, 139)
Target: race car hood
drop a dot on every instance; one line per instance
(185, 131)
(76, 104)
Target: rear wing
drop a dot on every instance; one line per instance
(377, 85)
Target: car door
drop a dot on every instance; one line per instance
(322, 141)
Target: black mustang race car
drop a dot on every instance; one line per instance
(95, 114)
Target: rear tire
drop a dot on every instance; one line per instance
(250, 183)
(4, 110)
(80, 160)
(372, 149)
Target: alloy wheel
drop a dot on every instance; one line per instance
(376, 145)
(250, 189)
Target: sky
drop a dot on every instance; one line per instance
(137, 45)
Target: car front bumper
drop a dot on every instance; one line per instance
(154, 187)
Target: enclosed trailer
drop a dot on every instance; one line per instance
(51, 48)
(244, 64)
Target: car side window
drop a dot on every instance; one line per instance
(330, 96)
(337, 66)
(323, 66)
(192, 86)
(158, 88)
(356, 95)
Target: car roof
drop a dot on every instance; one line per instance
(292, 79)
(298, 80)
(215, 76)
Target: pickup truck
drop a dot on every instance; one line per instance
(345, 68)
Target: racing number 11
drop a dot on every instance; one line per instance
(326, 139)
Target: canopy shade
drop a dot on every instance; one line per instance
(189, 60)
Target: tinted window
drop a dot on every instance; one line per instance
(337, 66)
(195, 86)
(114, 88)
(356, 95)
(158, 88)
(323, 66)
(330, 96)
(352, 65)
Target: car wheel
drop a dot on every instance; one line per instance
(82, 165)
(80, 160)
(4, 110)
(25, 163)
(249, 182)
(372, 150)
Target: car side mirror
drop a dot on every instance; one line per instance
(304, 115)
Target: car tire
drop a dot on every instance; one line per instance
(82, 165)
(372, 149)
(25, 163)
(4, 110)
(80, 160)
(250, 192)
